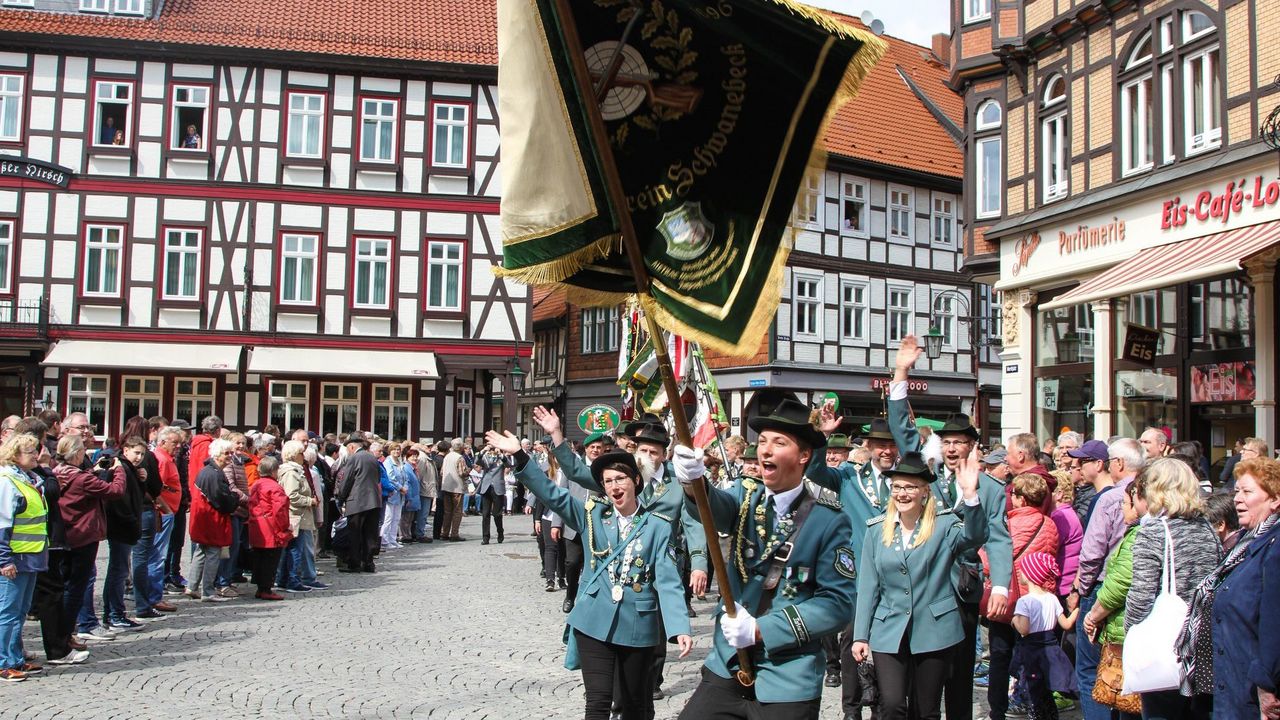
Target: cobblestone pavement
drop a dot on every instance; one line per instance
(447, 630)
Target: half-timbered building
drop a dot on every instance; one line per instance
(272, 212)
(877, 255)
(1123, 182)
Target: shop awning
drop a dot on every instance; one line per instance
(360, 363)
(144, 355)
(1175, 263)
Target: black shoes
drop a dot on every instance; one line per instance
(484, 541)
(658, 694)
(551, 586)
(832, 680)
(568, 605)
(368, 567)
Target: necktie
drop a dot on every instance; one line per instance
(647, 494)
(951, 488)
(770, 514)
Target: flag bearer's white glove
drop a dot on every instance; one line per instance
(740, 630)
(688, 464)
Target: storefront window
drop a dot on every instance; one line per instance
(1220, 314)
(1063, 403)
(1065, 336)
(1146, 398)
(1155, 309)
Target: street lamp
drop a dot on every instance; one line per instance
(933, 339)
(1069, 348)
(517, 373)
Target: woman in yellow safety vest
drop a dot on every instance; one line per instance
(23, 548)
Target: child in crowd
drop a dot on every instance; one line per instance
(1039, 664)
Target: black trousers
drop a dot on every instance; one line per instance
(604, 663)
(437, 516)
(46, 603)
(573, 561)
(552, 554)
(718, 698)
(265, 563)
(959, 684)
(362, 528)
(831, 649)
(492, 505)
(1002, 637)
(850, 685)
(913, 680)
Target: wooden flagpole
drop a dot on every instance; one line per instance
(631, 245)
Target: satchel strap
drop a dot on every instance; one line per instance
(1170, 564)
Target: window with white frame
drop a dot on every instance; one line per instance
(451, 135)
(444, 276)
(1053, 139)
(809, 204)
(298, 260)
(1201, 100)
(378, 129)
(103, 252)
(901, 213)
(193, 399)
(339, 408)
(391, 405)
(88, 394)
(463, 407)
(975, 10)
(140, 396)
(853, 207)
(900, 313)
(546, 353)
(600, 330)
(372, 272)
(943, 220)
(1195, 25)
(806, 306)
(94, 5)
(113, 113)
(189, 117)
(11, 96)
(1136, 125)
(944, 318)
(853, 310)
(182, 264)
(988, 156)
(129, 7)
(6, 256)
(288, 409)
(19, 3)
(305, 129)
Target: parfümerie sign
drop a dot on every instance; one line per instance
(37, 170)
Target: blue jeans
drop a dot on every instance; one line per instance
(148, 561)
(422, 518)
(113, 588)
(230, 567)
(297, 563)
(87, 619)
(1087, 656)
(15, 603)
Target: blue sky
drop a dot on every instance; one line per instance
(914, 20)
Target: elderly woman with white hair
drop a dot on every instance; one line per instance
(212, 502)
(298, 566)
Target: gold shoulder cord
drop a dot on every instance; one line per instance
(591, 536)
(739, 539)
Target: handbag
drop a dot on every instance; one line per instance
(1153, 665)
(1015, 588)
(1107, 689)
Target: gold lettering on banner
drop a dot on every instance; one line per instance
(704, 157)
(1087, 237)
(704, 271)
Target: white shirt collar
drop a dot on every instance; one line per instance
(782, 501)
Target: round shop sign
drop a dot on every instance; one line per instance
(598, 418)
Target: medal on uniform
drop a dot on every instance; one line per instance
(616, 593)
(637, 587)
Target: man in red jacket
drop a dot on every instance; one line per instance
(210, 430)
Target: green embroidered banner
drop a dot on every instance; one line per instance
(713, 120)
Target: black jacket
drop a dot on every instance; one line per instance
(213, 485)
(124, 516)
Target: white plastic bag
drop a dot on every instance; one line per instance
(1150, 659)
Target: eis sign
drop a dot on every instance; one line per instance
(1210, 206)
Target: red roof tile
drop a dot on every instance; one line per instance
(548, 303)
(886, 123)
(443, 31)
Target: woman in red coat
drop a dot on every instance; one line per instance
(268, 526)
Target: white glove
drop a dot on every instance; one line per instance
(740, 630)
(688, 464)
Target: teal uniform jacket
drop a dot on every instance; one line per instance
(861, 498)
(899, 586)
(990, 491)
(665, 498)
(813, 598)
(633, 621)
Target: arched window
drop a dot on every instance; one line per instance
(1173, 66)
(988, 159)
(1054, 169)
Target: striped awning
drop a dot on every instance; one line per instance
(1179, 262)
